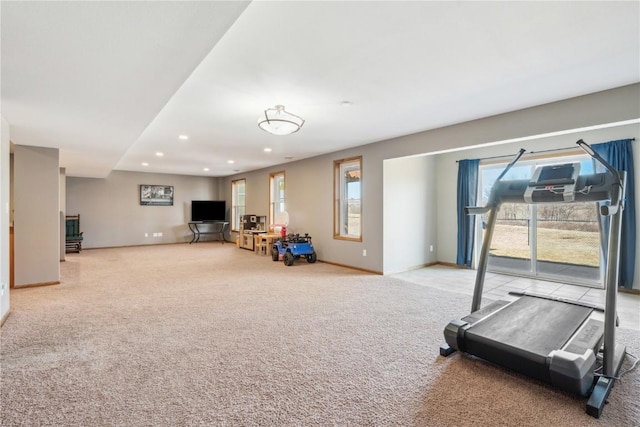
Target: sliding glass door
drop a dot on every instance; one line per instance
(568, 242)
(511, 244)
(559, 242)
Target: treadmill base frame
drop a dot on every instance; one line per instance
(603, 386)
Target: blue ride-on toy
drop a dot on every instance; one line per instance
(292, 247)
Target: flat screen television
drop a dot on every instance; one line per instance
(208, 210)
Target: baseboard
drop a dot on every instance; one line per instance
(4, 318)
(351, 267)
(452, 265)
(411, 268)
(35, 285)
(157, 244)
(628, 291)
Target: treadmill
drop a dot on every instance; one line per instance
(568, 344)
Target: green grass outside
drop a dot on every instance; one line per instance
(562, 246)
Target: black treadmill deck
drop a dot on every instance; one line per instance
(522, 334)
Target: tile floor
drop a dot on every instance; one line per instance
(498, 286)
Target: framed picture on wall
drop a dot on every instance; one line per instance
(156, 195)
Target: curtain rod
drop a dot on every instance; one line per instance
(534, 152)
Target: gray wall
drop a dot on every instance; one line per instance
(309, 182)
(308, 189)
(37, 215)
(309, 202)
(111, 214)
(4, 217)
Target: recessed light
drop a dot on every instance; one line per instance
(145, 164)
(346, 104)
(230, 162)
(267, 150)
(288, 158)
(183, 137)
(206, 169)
(159, 154)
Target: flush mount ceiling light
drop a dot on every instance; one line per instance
(279, 122)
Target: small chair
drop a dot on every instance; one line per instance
(260, 244)
(73, 237)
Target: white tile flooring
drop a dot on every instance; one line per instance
(498, 286)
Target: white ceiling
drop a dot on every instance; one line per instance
(112, 83)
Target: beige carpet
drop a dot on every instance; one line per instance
(208, 334)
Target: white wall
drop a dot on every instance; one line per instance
(4, 218)
(409, 211)
(111, 214)
(448, 170)
(37, 215)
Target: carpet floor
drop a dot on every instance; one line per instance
(209, 334)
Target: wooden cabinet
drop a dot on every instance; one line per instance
(246, 240)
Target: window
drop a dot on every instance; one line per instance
(347, 209)
(549, 241)
(238, 202)
(276, 194)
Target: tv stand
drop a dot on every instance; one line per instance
(201, 228)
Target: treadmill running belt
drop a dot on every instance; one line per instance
(533, 325)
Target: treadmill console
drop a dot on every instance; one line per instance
(553, 183)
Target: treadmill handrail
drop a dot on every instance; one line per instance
(477, 210)
(618, 177)
(511, 163)
(490, 208)
(594, 155)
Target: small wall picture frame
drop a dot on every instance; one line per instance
(156, 195)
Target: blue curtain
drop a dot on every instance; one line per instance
(467, 195)
(620, 155)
